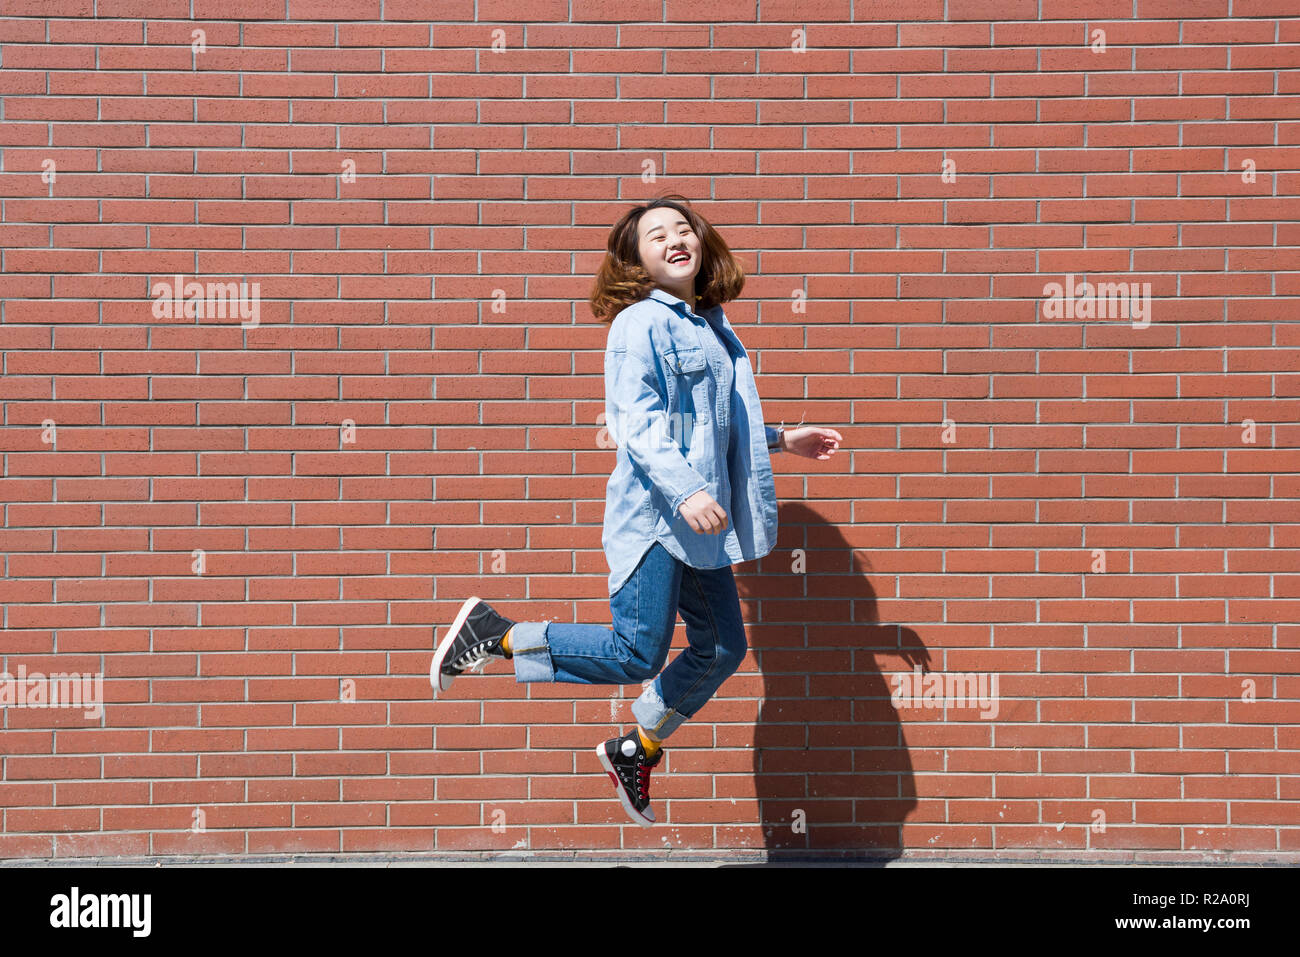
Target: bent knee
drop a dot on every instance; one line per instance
(637, 666)
(638, 669)
(731, 652)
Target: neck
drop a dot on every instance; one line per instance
(686, 293)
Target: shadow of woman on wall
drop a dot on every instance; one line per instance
(831, 767)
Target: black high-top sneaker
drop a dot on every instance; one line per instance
(473, 640)
(625, 761)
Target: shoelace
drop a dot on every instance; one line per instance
(643, 780)
(474, 660)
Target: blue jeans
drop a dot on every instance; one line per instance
(645, 613)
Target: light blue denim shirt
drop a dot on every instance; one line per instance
(683, 409)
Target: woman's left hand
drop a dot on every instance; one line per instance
(811, 441)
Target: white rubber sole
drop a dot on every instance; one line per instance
(437, 679)
(632, 812)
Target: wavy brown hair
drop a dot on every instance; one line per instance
(623, 280)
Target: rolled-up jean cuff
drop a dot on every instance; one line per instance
(652, 714)
(532, 655)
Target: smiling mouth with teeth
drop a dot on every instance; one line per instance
(679, 257)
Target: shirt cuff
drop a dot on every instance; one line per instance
(677, 502)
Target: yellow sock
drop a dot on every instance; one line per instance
(650, 744)
(505, 643)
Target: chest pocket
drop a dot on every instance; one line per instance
(687, 370)
(684, 361)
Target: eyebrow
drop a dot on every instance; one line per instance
(651, 232)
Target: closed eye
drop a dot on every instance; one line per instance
(660, 238)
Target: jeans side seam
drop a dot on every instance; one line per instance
(636, 628)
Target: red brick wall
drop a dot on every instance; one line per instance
(993, 457)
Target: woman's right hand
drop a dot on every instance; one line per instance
(703, 514)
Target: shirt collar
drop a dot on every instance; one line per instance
(670, 299)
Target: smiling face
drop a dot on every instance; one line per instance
(669, 251)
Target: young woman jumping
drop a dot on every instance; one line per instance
(682, 407)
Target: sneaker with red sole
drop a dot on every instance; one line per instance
(625, 760)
